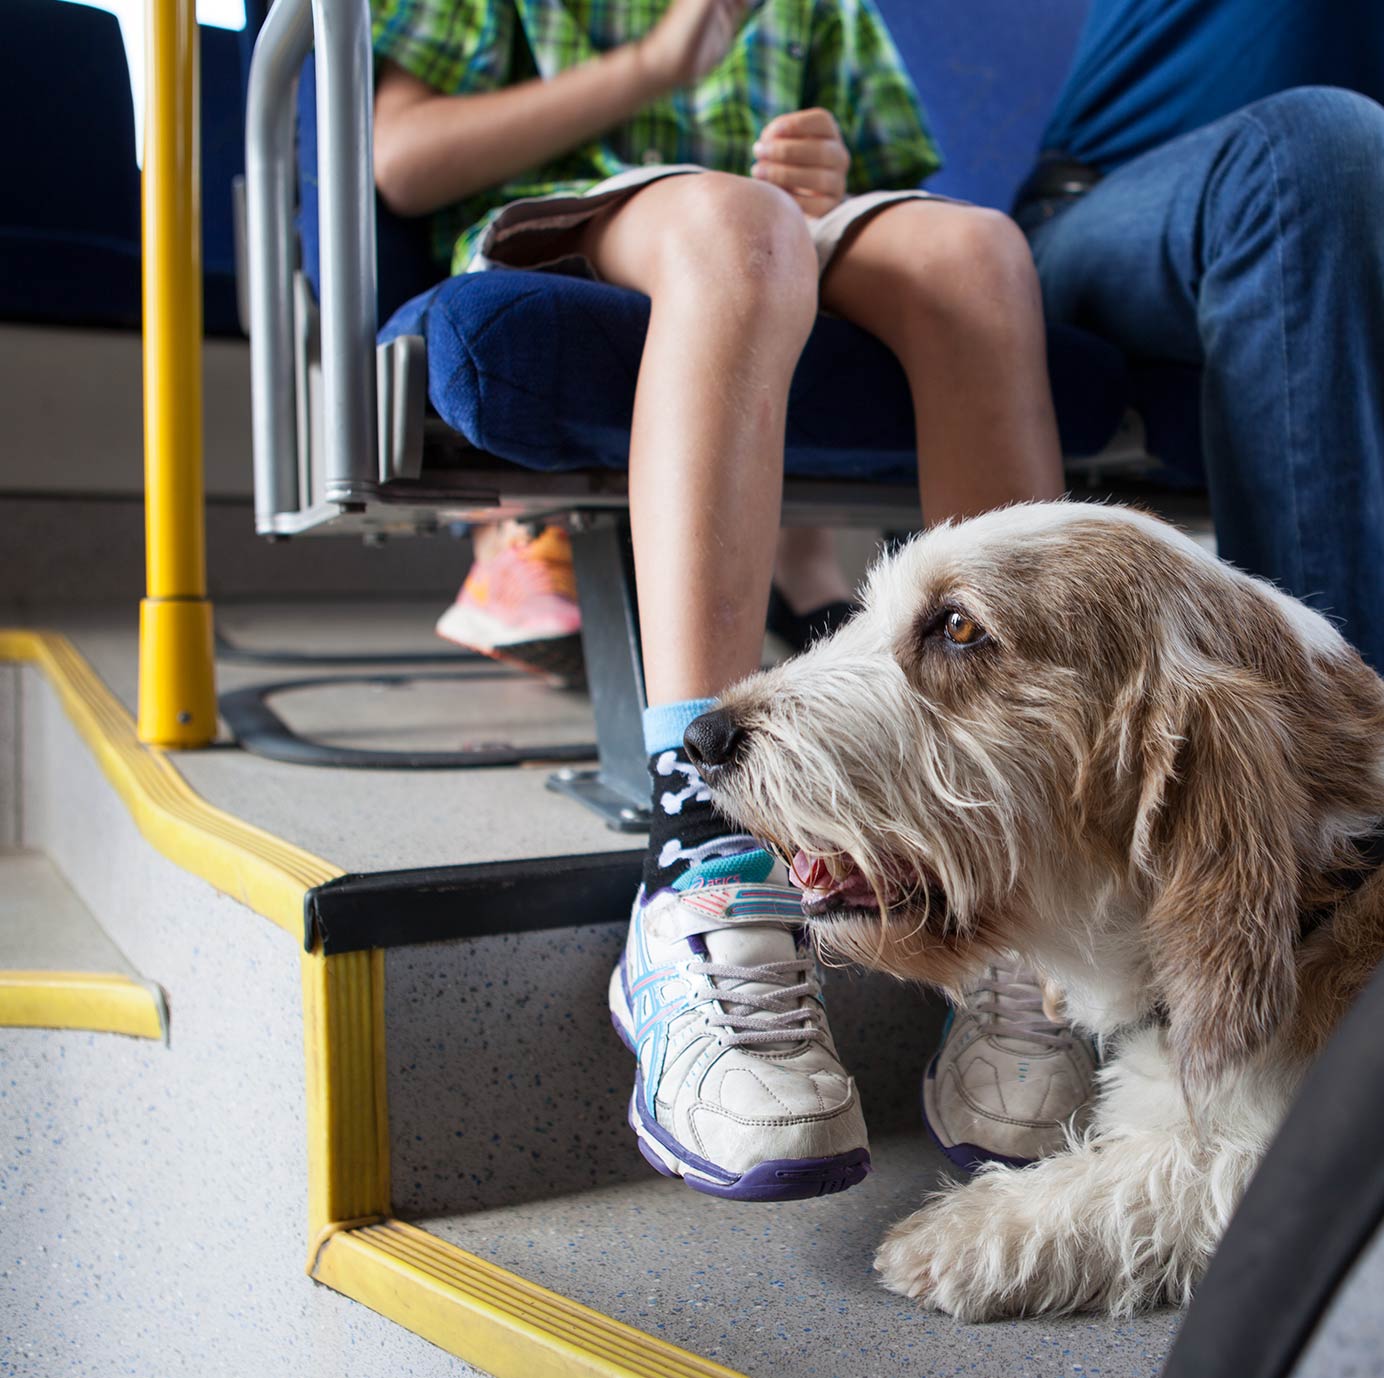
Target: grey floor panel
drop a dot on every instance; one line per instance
(45, 927)
(787, 1289)
(433, 710)
(335, 626)
(1349, 1341)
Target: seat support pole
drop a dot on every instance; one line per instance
(177, 696)
(604, 565)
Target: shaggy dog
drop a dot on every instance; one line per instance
(1067, 732)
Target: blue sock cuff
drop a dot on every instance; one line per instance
(665, 723)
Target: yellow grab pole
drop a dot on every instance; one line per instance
(177, 696)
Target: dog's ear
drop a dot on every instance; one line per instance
(1220, 813)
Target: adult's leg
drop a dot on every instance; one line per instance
(1253, 248)
(952, 291)
(730, 268)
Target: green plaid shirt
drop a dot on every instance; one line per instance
(789, 55)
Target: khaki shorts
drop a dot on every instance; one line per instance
(539, 231)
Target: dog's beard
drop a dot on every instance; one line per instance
(879, 889)
(903, 841)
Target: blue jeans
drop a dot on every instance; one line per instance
(1254, 248)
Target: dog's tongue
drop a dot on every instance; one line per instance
(813, 877)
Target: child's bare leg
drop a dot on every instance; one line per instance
(732, 274)
(733, 278)
(807, 569)
(953, 292)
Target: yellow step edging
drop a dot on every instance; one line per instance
(484, 1314)
(104, 1002)
(490, 1317)
(263, 872)
(348, 1113)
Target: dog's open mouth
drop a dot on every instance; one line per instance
(829, 887)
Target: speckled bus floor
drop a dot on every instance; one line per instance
(787, 1290)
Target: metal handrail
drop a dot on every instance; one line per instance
(283, 43)
(340, 31)
(346, 230)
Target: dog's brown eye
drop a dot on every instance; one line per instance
(961, 630)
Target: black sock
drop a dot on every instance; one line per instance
(685, 830)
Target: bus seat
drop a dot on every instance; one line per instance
(539, 369)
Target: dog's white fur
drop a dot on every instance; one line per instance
(1139, 781)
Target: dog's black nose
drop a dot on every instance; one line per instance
(712, 739)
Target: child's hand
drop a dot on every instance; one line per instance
(692, 38)
(804, 153)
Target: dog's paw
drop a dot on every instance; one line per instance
(1025, 1241)
(959, 1254)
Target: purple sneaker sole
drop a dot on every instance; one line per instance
(792, 1179)
(784, 1179)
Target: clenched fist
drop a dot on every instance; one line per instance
(804, 153)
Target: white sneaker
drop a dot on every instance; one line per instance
(1007, 1080)
(739, 1090)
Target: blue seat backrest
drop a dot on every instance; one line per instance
(988, 72)
(69, 212)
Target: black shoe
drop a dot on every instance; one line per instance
(800, 629)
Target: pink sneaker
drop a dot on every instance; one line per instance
(520, 606)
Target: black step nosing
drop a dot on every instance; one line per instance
(378, 909)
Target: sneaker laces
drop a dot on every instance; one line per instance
(1012, 1007)
(762, 1016)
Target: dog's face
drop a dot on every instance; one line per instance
(1060, 714)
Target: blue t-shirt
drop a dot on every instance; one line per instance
(1146, 71)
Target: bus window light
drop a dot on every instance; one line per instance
(129, 14)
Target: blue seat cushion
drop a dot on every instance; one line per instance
(539, 369)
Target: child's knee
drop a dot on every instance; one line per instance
(925, 267)
(732, 237)
(977, 255)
